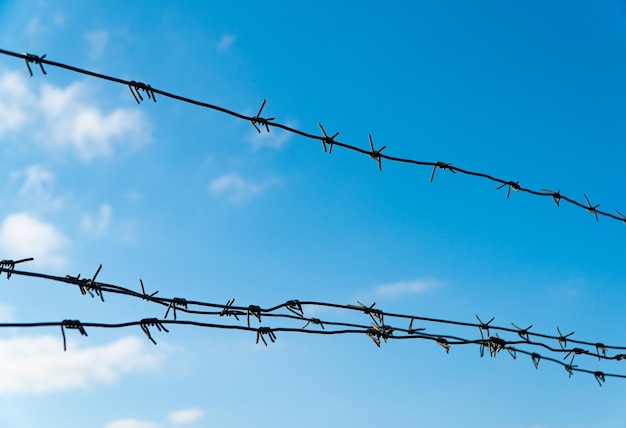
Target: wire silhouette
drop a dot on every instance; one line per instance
(290, 315)
(327, 142)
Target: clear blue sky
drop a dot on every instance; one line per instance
(200, 206)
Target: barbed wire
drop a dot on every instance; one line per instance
(327, 141)
(291, 317)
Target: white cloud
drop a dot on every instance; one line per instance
(225, 42)
(275, 139)
(236, 188)
(403, 288)
(97, 225)
(131, 423)
(185, 416)
(67, 118)
(97, 41)
(36, 365)
(16, 101)
(23, 235)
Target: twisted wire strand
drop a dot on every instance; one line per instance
(294, 310)
(327, 141)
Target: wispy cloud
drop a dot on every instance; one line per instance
(97, 41)
(96, 225)
(131, 423)
(272, 140)
(36, 26)
(36, 188)
(67, 118)
(23, 235)
(7, 313)
(236, 188)
(404, 288)
(225, 42)
(36, 365)
(185, 416)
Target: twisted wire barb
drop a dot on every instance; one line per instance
(383, 325)
(325, 140)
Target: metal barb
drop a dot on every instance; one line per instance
(441, 165)
(535, 358)
(600, 348)
(254, 311)
(81, 284)
(294, 307)
(510, 185)
(75, 324)
(263, 331)
(375, 154)
(176, 301)
(599, 377)
(412, 330)
(496, 345)
(590, 208)
(383, 331)
(523, 332)
(443, 343)
(327, 140)
(136, 86)
(34, 59)
(563, 338)
(153, 322)
(575, 351)
(8, 266)
(556, 196)
(375, 314)
(315, 321)
(483, 326)
(374, 335)
(226, 310)
(92, 283)
(570, 368)
(261, 121)
(143, 292)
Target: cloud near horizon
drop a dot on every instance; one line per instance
(38, 365)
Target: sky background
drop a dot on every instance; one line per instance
(198, 205)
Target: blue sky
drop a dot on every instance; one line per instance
(200, 206)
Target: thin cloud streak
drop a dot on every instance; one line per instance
(131, 423)
(238, 189)
(405, 288)
(185, 416)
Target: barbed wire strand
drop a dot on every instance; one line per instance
(378, 331)
(327, 142)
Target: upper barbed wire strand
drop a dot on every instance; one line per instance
(268, 123)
